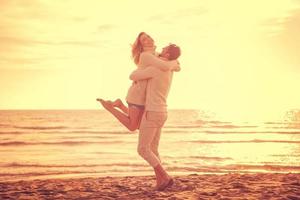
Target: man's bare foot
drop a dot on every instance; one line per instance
(165, 184)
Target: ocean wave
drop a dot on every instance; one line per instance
(211, 158)
(200, 157)
(5, 125)
(232, 126)
(41, 173)
(183, 126)
(235, 168)
(74, 143)
(101, 132)
(286, 155)
(5, 177)
(243, 141)
(127, 169)
(68, 132)
(41, 127)
(11, 132)
(228, 126)
(15, 164)
(171, 167)
(251, 132)
(165, 130)
(21, 143)
(284, 127)
(211, 122)
(26, 165)
(263, 167)
(276, 123)
(82, 137)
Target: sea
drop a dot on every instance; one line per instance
(43, 144)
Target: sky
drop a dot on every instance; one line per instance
(240, 59)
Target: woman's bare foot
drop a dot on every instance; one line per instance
(106, 104)
(117, 103)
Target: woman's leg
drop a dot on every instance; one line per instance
(130, 121)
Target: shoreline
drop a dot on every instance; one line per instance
(62, 176)
(192, 186)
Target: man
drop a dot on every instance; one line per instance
(155, 114)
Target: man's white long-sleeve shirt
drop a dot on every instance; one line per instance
(158, 87)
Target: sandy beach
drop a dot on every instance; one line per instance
(193, 186)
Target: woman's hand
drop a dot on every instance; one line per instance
(176, 68)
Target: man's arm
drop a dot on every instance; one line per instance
(143, 74)
(147, 59)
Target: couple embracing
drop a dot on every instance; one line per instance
(147, 100)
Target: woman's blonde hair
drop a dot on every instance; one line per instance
(137, 49)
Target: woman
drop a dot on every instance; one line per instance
(143, 54)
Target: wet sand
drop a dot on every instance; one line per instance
(209, 186)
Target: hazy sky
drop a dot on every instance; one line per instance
(240, 59)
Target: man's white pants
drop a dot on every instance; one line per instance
(149, 136)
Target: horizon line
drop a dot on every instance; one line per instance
(79, 109)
